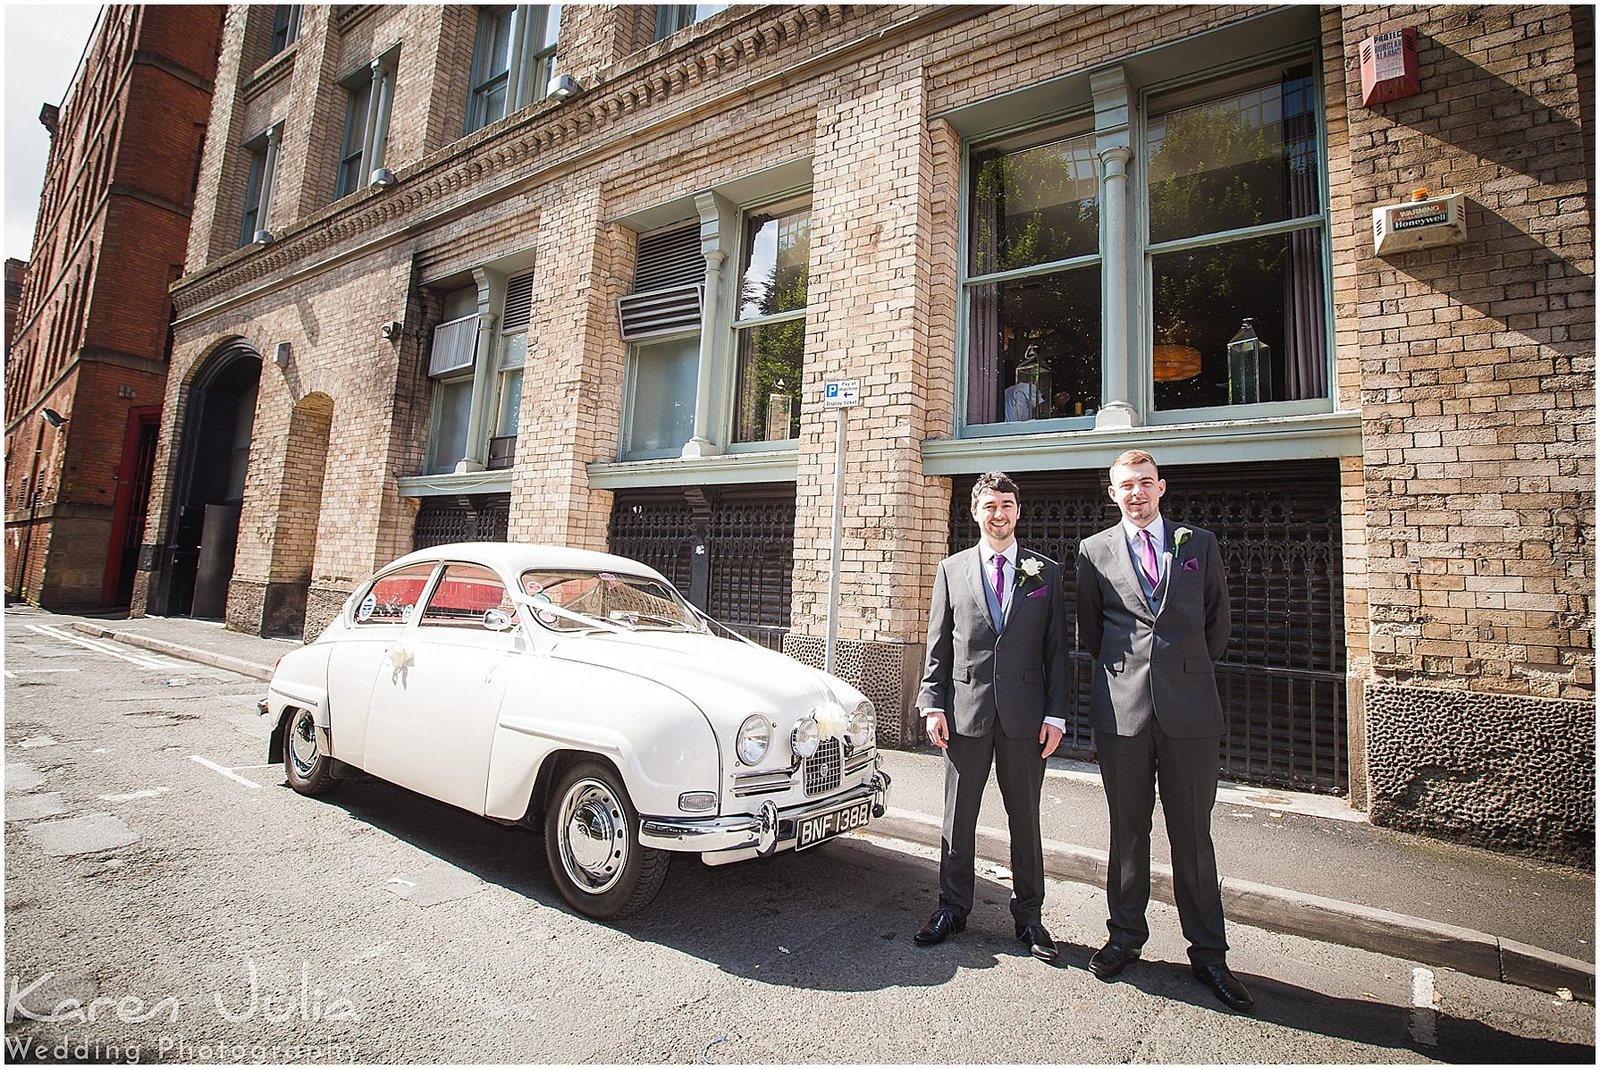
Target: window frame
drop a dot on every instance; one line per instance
(736, 327)
(1199, 82)
(1075, 123)
(531, 41)
(1198, 88)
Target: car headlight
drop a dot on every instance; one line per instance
(755, 736)
(806, 737)
(863, 729)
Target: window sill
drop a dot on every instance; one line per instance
(1325, 434)
(452, 483)
(765, 467)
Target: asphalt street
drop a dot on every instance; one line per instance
(166, 894)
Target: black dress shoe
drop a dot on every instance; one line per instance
(942, 925)
(1220, 979)
(1040, 945)
(1111, 959)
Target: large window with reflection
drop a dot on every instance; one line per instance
(1224, 239)
(1238, 294)
(770, 327)
(1033, 278)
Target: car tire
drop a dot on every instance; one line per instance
(307, 770)
(591, 841)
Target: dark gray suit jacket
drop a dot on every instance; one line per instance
(1149, 663)
(974, 675)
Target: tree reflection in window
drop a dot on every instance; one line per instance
(1236, 233)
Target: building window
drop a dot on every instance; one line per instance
(285, 27)
(1236, 240)
(1033, 287)
(661, 396)
(262, 154)
(370, 94)
(670, 18)
(1224, 214)
(477, 374)
(770, 324)
(513, 60)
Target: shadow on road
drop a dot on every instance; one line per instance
(840, 918)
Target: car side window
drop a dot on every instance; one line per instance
(465, 592)
(392, 598)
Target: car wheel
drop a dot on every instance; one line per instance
(591, 840)
(308, 771)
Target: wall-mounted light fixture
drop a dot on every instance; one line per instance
(382, 178)
(280, 354)
(563, 87)
(262, 237)
(54, 418)
(392, 329)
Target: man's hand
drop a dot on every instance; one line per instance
(1049, 738)
(939, 731)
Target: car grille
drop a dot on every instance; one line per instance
(824, 768)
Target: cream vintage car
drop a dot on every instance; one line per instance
(581, 694)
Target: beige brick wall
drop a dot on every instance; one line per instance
(1477, 360)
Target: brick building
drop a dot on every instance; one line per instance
(580, 274)
(86, 371)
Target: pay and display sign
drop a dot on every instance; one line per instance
(843, 394)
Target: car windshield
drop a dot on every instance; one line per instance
(598, 599)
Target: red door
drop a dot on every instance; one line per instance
(133, 498)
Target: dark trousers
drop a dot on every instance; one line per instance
(1186, 769)
(1019, 769)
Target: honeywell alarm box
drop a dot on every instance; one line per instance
(1419, 224)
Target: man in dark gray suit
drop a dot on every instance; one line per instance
(994, 692)
(1153, 611)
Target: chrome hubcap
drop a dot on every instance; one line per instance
(303, 742)
(594, 836)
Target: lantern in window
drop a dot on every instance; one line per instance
(1249, 367)
(1029, 396)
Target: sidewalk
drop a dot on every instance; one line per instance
(1299, 864)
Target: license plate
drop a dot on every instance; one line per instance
(825, 826)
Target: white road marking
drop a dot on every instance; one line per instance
(1424, 1017)
(106, 648)
(230, 773)
(156, 793)
(39, 671)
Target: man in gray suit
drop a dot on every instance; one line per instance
(994, 692)
(1153, 611)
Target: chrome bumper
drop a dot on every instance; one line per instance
(764, 832)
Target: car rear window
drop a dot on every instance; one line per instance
(393, 597)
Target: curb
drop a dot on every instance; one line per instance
(172, 649)
(1324, 920)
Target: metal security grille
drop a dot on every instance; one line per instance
(1283, 678)
(729, 549)
(480, 518)
(824, 769)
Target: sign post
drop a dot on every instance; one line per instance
(839, 396)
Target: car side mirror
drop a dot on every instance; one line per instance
(497, 620)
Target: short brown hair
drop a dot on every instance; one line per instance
(1133, 458)
(999, 482)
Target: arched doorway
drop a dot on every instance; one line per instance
(213, 457)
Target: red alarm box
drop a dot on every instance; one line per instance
(1389, 66)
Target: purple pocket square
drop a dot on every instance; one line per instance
(1191, 565)
(1042, 592)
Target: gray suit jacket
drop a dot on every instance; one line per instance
(1150, 663)
(976, 676)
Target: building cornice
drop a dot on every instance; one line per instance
(539, 142)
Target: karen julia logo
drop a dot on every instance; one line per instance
(253, 1001)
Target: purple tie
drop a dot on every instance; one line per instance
(1000, 578)
(1151, 567)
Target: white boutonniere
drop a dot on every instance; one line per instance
(1030, 573)
(1179, 537)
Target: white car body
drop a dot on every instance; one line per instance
(483, 711)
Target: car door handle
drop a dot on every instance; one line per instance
(399, 656)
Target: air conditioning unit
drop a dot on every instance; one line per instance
(1419, 224)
